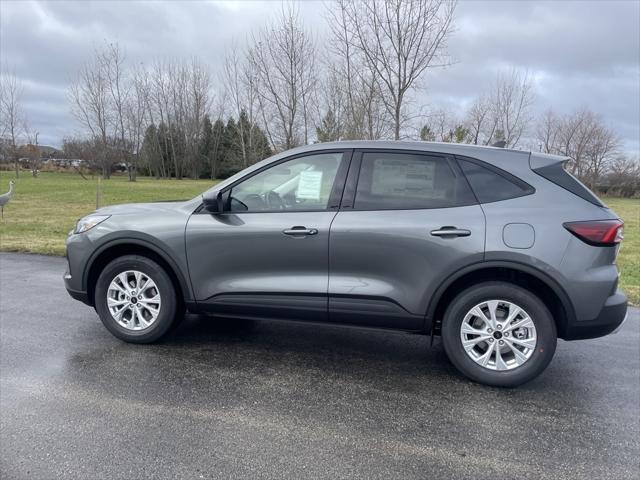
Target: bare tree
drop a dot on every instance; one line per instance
(135, 117)
(282, 56)
(441, 125)
(89, 96)
(350, 82)
(481, 121)
(604, 145)
(583, 138)
(547, 132)
(624, 176)
(339, 90)
(118, 106)
(32, 149)
(503, 112)
(240, 84)
(331, 118)
(111, 62)
(12, 120)
(200, 99)
(160, 110)
(178, 96)
(215, 148)
(399, 40)
(512, 99)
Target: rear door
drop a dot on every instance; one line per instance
(407, 220)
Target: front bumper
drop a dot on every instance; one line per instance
(609, 319)
(75, 294)
(79, 248)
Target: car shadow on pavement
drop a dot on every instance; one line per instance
(313, 341)
(282, 359)
(207, 346)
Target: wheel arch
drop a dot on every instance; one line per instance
(131, 246)
(539, 282)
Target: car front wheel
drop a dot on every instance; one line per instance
(136, 299)
(499, 334)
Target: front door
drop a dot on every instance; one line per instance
(267, 254)
(408, 220)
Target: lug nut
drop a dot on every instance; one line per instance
(499, 327)
(506, 334)
(489, 330)
(491, 340)
(501, 342)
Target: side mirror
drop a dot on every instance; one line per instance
(213, 204)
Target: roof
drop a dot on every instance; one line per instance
(453, 148)
(482, 152)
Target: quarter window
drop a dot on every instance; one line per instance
(304, 183)
(409, 181)
(490, 186)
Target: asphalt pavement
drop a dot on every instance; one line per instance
(245, 399)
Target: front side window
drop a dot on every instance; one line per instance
(407, 181)
(303, 183)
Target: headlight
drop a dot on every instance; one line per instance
(87, 223)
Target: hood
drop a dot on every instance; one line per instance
(139, 208)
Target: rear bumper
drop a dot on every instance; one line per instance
(611, 316)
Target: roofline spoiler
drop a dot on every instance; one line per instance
(540, 160)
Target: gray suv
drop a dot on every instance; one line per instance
(500, 252)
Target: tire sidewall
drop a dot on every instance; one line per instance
(545, 332)
(163, 282)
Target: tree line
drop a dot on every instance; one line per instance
(282, 87)
(278, 91)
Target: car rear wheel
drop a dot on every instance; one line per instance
(136, 299)
(499, 334)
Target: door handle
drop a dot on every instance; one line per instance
(300, 231)
(451, 232)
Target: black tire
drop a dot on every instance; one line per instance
(169, 310)
(543, 321)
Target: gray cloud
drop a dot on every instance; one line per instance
(580, 53)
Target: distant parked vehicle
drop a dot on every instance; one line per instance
(500, 252)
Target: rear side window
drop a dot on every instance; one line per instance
(491, 185)
(397, 181)
(557, 174)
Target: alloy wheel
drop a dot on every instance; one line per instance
(498, 335)
(133, 300)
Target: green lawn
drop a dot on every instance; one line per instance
(44, 209)
(629, 257)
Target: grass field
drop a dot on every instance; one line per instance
(629, 257)
(44, 209)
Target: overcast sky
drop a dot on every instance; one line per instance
(579, 53)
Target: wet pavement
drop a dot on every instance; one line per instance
(244, 399)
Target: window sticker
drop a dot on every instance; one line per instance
(399, 177)
(310, 185)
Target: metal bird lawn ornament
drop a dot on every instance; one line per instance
(6, 197)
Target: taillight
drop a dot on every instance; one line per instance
(601, 233)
